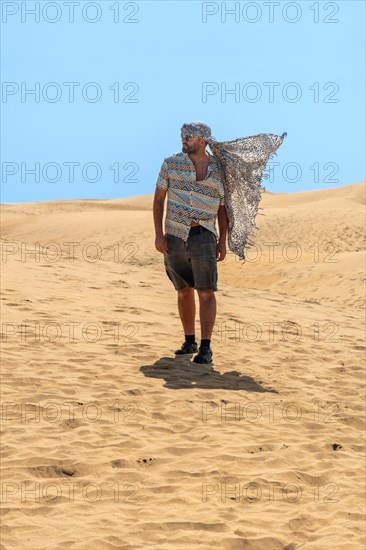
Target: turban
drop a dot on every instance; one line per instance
(241, 164)
(197, 130)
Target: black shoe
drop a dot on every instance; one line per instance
(187, 348)
(204, 355)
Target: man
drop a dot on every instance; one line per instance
(191, 245)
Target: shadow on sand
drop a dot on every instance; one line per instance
(181, 373)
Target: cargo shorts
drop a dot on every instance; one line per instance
(192, 263)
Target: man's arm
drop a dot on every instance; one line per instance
(158, 208)
(223, 225)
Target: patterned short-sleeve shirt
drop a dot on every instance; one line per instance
(188, 199)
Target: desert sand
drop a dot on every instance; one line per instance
(110, 442)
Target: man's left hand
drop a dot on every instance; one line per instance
(221, 251)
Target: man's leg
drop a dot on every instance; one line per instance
(207, 312)
(187, 309)
(207, 317)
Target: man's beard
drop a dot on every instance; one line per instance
(190, 149)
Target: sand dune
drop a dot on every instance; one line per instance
(110, 442)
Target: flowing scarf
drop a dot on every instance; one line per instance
(241, 163)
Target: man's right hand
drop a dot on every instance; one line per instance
(161, 244)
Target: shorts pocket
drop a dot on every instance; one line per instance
(174, 245)
(208, 248)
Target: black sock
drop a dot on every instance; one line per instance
(190, 338)
(205, 343)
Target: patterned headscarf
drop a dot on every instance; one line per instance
(197, 130)
(241, 163)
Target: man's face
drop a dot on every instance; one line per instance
(191, 144)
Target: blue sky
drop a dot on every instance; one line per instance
(174, 62)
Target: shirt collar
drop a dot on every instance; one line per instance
(210, 167)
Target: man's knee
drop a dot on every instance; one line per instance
(206, 294)
(185, 292)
